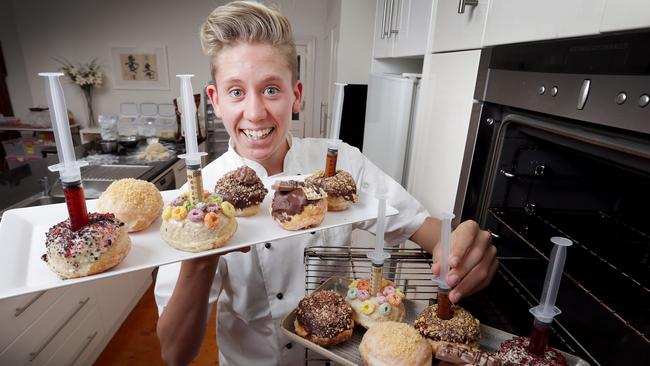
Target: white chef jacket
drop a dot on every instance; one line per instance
(259, 288)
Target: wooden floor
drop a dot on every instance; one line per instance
(136, 343)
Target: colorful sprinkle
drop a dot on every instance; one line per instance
(394, 299)
(178, 201)
(188, 205)
(384, 309)
(389, 290)
(352, 293)
(353, 284)
(380, 299)
(367, 307)
(228, 209)
(363, 295)
(399, 293)
(212, 207)
(215, 198)
(363, 285)
(167, 213)
(201, 206)
(179, 213)
(211, 219)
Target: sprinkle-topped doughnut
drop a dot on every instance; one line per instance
(462, 328)
(79, 253)
(341, 184)
(241, 187)
(324, 315)
(289, 202)
(515, 351)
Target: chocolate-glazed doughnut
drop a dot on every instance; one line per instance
(298, 205)
(243, 189)
(462, 328)
(324, 318)
(515, 351)
(341, 188)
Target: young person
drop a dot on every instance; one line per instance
(256, 90)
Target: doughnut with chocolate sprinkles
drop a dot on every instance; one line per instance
(514, 351)
(243, 189)
(462, 328)
(341, 188)
(324, 318)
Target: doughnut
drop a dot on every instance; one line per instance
(515, 351)
(95, 248)
(196, 228)
(243, 189)
(386, 305)
(462, 328)
(394, 344)
(298, 205)
(459, 354)
(324, 318)
(341, 188)
(135, 202)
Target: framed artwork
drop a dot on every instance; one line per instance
(141, 67)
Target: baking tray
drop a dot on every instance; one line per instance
(347, 353)
(22, 240)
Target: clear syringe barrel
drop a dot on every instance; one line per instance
(445, 249)
(192, 156)
(546, 310)
(68, 166)
(378, 256)
(337, 111)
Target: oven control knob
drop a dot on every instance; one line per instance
(621, 98)
(554, 91)
(541, 90)
(644, 100)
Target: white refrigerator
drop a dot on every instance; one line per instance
(390, 111)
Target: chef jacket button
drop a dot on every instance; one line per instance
(267, 245)
(313, 233)
(279, 296)
(289, 346)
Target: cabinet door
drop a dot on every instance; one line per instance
(512, 21)
(454, 31)
(383, 46)
(411, 20)
(625, 14)
(441, 128)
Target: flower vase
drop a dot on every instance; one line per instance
(88, 93)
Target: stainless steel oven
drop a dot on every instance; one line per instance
(560, 146)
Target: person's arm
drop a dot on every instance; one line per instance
(181, 326)
(472, 256)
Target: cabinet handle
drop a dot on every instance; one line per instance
(463, 3)
(323, 118)
(89, 340)
(391, 31)
(33, 355)
(26, 306)
(383, 20)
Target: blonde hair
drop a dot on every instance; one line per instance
(249, 22)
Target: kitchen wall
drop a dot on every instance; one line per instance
(80, 30)
(19, 92)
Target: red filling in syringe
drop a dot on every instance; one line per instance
(68, 167)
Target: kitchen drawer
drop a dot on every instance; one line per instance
(79, 348)
(18, 313)
(47, 334)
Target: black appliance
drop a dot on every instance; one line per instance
(353, 114)
(560, 146)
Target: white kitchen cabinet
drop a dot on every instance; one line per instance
(455, 30)
(82, 343)
(625, 14)
(513, 21)
(442, 123)
(401, 27)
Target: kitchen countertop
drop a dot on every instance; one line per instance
(25, 181)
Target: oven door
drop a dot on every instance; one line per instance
(534, 177)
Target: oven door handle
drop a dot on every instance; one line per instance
(507, 174)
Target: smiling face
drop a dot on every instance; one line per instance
(255, 97)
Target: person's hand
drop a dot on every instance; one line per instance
(472, 260)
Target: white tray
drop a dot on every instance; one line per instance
(347, 353)
(22, 241)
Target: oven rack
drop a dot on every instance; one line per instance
(597, 283)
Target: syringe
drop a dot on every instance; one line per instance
(192, 155)
(68, 167)
(443, 311)
(378, 256)
(546, 310)
(334, 141)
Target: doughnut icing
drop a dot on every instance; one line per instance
(196, 228)
(386, 305)
(394, 344)
(324, 318)
(298, 205)
(341, 188)
(515, 351)
(243, 189)
(98, 246)
(462, 328)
